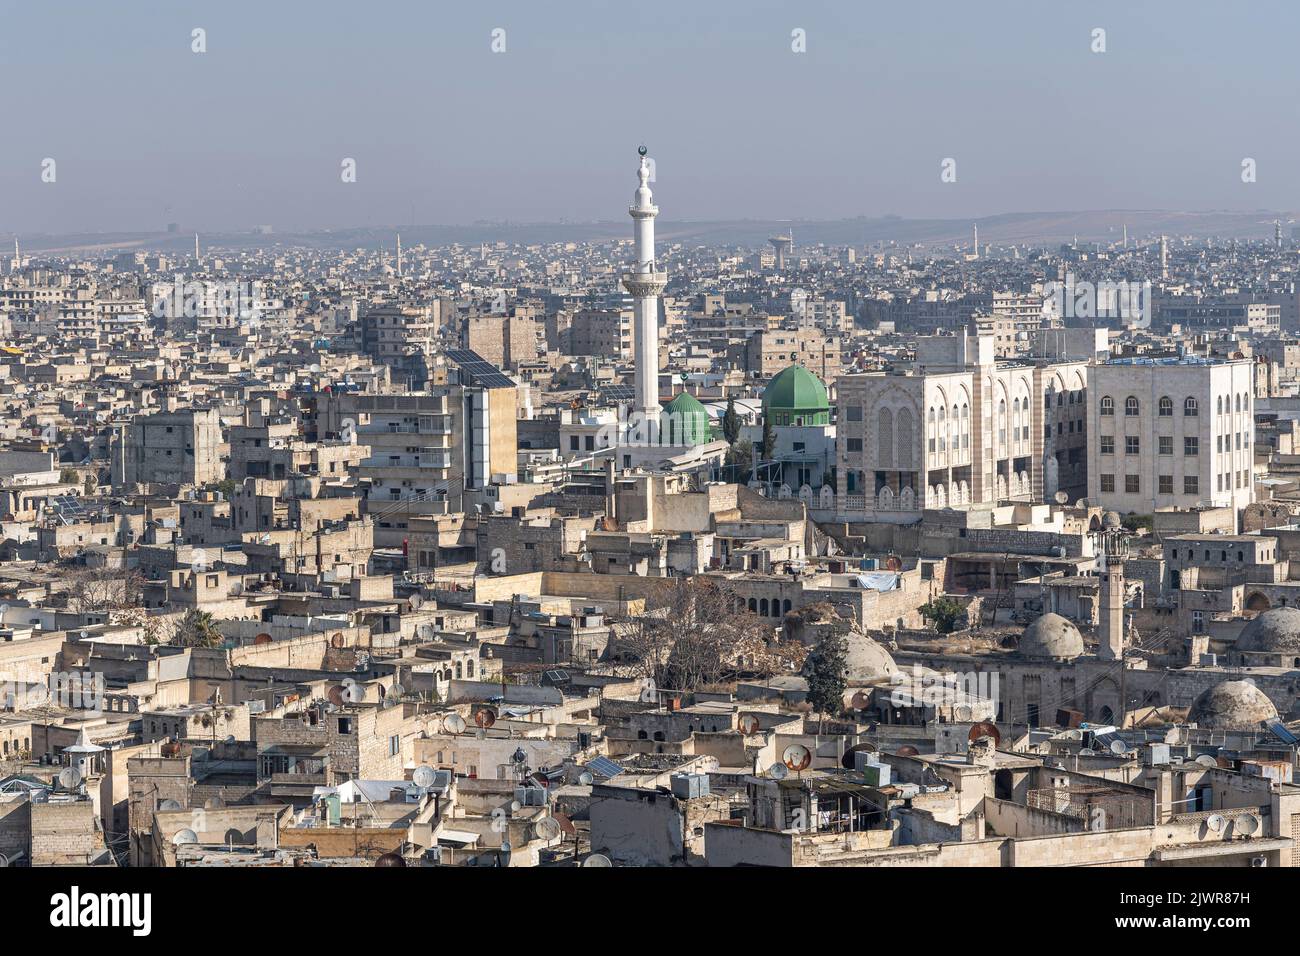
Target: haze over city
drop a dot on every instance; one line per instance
(446, 131)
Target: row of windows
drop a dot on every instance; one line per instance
(1133, 445)
(1132, 407)
(1164, 483)
(1224, 405)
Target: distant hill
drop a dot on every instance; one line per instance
(1033, 228)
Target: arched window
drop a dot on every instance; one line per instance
(469, 668)
(1191, 408)
(1107, 405)
(1131, 406)
(1238, 403)
(1220, 403)
(1166, 406)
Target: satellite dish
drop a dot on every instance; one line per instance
(454, 724)
(167, 806)
(1171, 735)
(424, 777)
(585, 778)
(860, 700)
(985, 728)
(1215, 822)
(416, 601)
(184, 837)
(749, 725)
(547, 828)
(1248, 824)
(848, 760)
(1118, 747)
(233, 837)
(597, 859)
(353, 693)
(262, 638)
(778, 771)
(229, 739)
(336, 641)
(390, 859)
(335, 694)
(69, 778)
(213, 803)
(4, 861)
(1061, 497)
(1205, 760)
(485, 717)
(797, 757)
(963, 712)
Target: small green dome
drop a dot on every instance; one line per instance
(795, 396)
(684, 421)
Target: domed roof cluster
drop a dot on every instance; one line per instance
(1231, 705)
(1276, 631)
(1051, 637)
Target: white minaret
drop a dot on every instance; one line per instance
(977, 239)
(645, 283)
(399, 255)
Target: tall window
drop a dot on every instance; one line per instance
(1166, 407)
(1191, 407)
(1131, 407)
(1107, 405)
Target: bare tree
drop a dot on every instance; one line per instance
(700, 634)
(101, 590)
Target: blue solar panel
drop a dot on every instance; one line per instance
(604, 767)
(1281, 733)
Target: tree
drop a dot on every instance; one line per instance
(694, 638)
(769, 440)
(740, 457)
(943, 613)
(731, 422)
(197, 629)
(827, 673)
(102, 590)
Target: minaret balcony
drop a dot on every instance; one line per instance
(643, 284)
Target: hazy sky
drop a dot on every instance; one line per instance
(443, 130)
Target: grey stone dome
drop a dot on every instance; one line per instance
(1275, 631)
(1051, 637)
(1231, 705)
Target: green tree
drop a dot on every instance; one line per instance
(827, 673)
(943, 613)
(769, 439)
(731, 422)
(198, 629)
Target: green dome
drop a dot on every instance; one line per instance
(684, 421)
(795, 396)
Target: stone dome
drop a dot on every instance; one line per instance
(867, 658)
(1231, 705)
(795, 396)
(1276, 631)
(1051, 637)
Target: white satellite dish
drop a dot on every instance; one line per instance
(1248, 824)
(547, 828)
(797, 757)
(1171, 735)
(69, 778)
(1215, 822)
(353, 693)
(424, 777)
(184, 837)
(778, 771)
(597, 859)
(1118, 747)
(454, 724)
(168, 806)
(585, 778)
(962, 712)
(1205, 760)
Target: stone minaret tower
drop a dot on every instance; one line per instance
(644, 283)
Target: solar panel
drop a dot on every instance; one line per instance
(1281, 733)
(617, 393)
(604, 767)
(478, 370)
